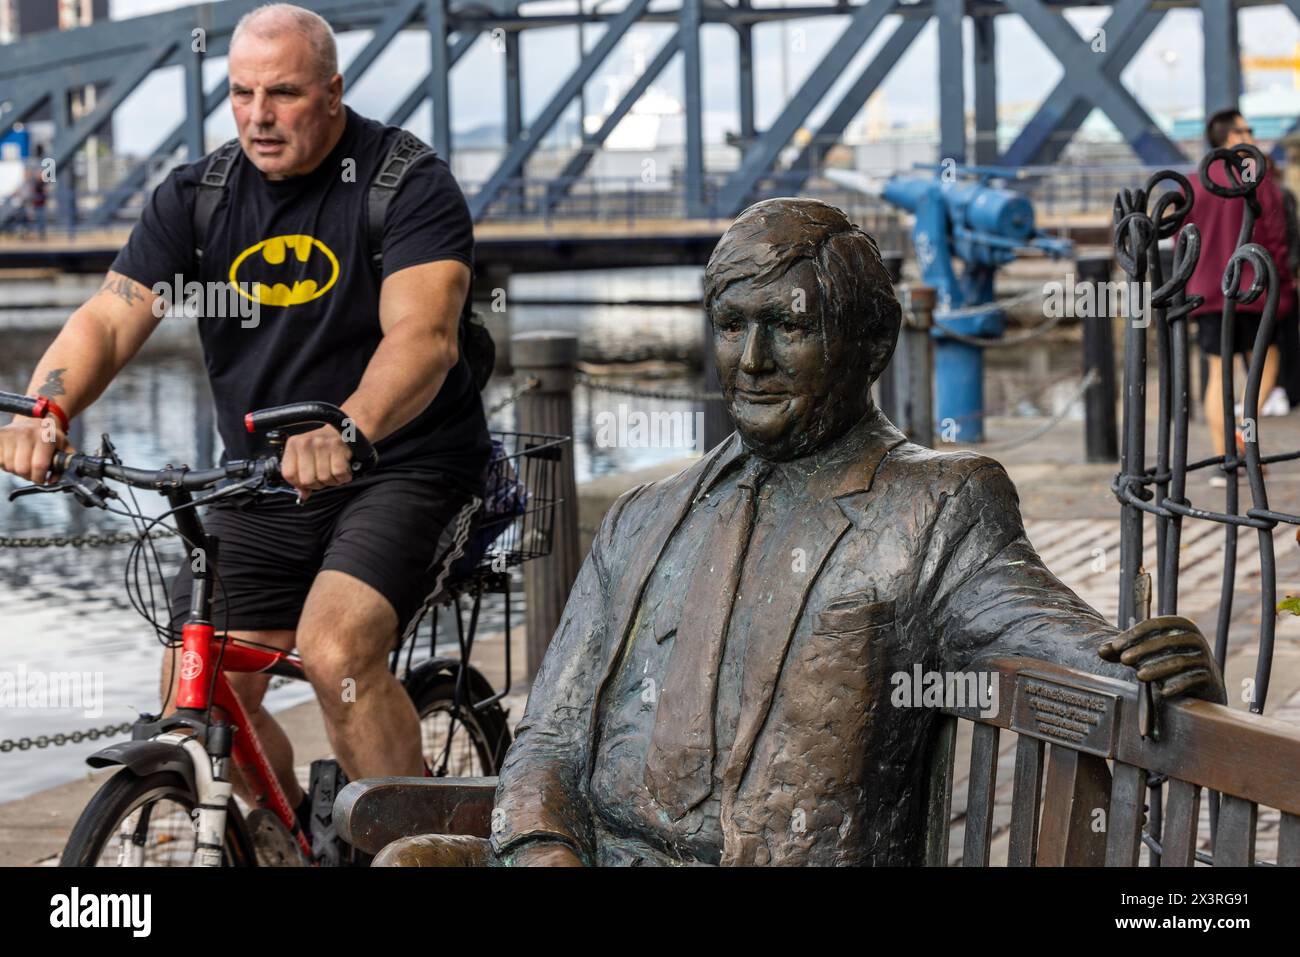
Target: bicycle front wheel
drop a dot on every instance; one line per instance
(146, 821)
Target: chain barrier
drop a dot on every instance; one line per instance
(93, 734)
(1028, 295)
(1084, 384)
(58, 740)
(81, 541)
(513, 396)
(979, 342)
(595, 384)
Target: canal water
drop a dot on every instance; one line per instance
(66, 609)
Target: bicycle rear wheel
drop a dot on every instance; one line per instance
(457, 740)
(145, 821)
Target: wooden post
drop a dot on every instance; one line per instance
(912, 367)
(886, 384)
(551, 359)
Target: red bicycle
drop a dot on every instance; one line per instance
(171, 802)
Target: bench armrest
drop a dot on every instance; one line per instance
(374, 812)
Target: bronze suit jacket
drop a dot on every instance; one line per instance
(915, 557)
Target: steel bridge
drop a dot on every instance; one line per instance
(41, 73)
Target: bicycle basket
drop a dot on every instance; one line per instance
(517, 520)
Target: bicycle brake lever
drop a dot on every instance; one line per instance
(35, 490)
(90, 493)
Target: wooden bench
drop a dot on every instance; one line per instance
(1078, 791)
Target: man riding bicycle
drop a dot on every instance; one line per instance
(337, 573)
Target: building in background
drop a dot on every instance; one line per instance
(22, 18)
(25, 18)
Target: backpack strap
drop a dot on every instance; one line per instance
(210, 190)
(404, 152)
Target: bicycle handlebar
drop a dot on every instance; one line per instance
(172, 477)
(364, 456)
(28, 405)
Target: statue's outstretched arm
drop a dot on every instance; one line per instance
(989, 592)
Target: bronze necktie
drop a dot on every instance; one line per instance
(679, 764)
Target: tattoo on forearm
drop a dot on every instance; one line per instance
(53, 385)
(123, 288)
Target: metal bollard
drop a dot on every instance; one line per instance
(1100, 434)
(913, 366)
(551, 359)
(893, 263)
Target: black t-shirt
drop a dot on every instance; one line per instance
(299, 247)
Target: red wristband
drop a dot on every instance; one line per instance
(47, 406)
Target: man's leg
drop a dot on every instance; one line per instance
(1214, 402)
(250, 689)
(1268, 379)
(345, 634)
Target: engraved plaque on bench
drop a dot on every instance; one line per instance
(1063, 712)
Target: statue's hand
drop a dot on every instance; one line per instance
(544, 854)
(1171, 656)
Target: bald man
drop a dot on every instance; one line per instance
(338, 573)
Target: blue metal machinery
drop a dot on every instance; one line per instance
(959, 215)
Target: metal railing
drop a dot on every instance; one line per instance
(1142, 218)
(1161, 489)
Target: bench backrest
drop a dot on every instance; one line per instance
(1082, 769)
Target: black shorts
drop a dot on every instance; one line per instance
(394, 532)
(1245, 327)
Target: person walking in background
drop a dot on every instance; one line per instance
(36, 194)
(1219, 221)
(1288, 336)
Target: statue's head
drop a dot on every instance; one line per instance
(804, 319)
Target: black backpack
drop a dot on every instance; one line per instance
(476, 343)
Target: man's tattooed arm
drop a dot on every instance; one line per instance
(123, 288)
(53, 385)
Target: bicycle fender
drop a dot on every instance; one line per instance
(481, 687)
(146, 757)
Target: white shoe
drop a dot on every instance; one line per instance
(1276, 403)
(1218, 481)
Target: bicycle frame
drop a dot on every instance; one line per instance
(206, 659)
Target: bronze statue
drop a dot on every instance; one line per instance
(719, 689)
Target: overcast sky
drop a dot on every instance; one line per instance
(1165, 75)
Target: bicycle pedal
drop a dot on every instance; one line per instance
(274, 845)
(326, 781)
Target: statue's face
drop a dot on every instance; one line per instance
(787, 374)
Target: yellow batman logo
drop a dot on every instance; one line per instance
(269, 289)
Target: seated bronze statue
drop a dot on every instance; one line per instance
(719, 688)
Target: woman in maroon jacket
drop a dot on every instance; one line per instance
(1219, 221)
